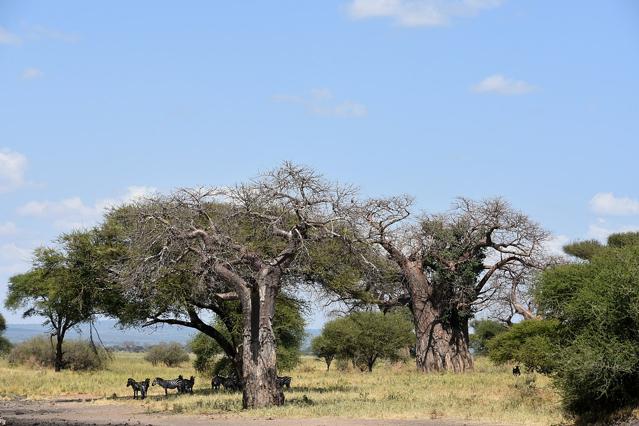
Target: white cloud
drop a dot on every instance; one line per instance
(12, 168)
(601, 233)
(605, 203)
(501, 85)
(418, 13)
(31, 73)
(7, 37)
(72, 212)
(555, 245)
(8, 228)
(321, 102)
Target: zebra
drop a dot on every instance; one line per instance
(232, 384)
(284, 381)
(217, 381)
(187, 385)
(141, 387)
(168, 384)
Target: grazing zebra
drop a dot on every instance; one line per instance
(284, 381)
(516, 371)
(168, 384)
(187, 385)
(141, 387)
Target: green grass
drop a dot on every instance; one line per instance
(394, 391)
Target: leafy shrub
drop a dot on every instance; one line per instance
(595, 304)
(5, 345)
(531, 343)
(169, 354)
(38, 352)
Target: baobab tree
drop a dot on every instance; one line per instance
(242, 243)
(447, 266)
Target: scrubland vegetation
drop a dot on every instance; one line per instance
(395, 390)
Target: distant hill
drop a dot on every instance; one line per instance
(112, 335)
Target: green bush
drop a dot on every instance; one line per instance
(5, 345)
(532, 343)
(595, 304)
(169, 354)
(38, 352)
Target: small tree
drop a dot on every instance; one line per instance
(324, 348)
(5, 345)
(484, 330)
(532, 343)
(169, 354)
(365, 337)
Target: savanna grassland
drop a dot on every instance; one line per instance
(396, 391)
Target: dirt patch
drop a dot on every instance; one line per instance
(72, 412)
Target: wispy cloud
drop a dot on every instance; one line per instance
(498, 84)
(31, 73)
(418, 13)
(606, 203)
(7, 37)
(321, 102)
(8, 228)
(601, 231)
(12, 169)
(73, 212)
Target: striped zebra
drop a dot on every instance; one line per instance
(168, 384)
(141, 387)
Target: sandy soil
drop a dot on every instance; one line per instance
(85, 412)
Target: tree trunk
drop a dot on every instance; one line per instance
(258, 349)
(329, 360)
(442, 344)
(57, 363)
(442, 337)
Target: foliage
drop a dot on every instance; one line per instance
(484, 330)
(66, 285)
(288, 327)
(39, 352)
(365, 337)
(596, 305)
(532, 343)
(5, 345)
(169, 354)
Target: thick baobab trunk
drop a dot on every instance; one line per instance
(258, 351)
(441, 345)
(442, 341)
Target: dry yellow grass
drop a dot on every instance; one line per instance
(392, 391)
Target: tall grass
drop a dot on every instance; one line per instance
(489, 393)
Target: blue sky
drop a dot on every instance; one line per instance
(535, 101)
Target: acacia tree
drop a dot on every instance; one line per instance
(57, 289)
(448, 265)
(221, 233)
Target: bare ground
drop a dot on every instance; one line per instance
(71, 412)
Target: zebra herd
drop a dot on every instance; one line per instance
(186, 385)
